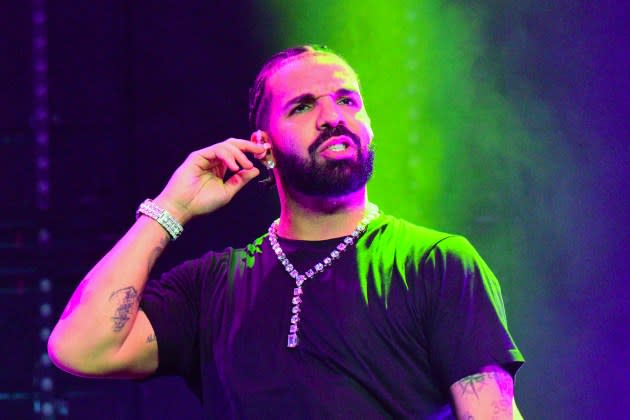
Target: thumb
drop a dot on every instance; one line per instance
(239, 179)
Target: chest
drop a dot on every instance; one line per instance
(353, 327)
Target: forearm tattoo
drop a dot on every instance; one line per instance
(156, 252)
(151, 338)
(127, 300)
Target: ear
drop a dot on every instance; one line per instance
(259, 137)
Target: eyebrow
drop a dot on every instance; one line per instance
(309, 97)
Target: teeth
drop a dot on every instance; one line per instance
(338, 147)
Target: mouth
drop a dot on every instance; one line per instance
(336, 144)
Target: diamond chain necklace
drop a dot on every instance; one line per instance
(370, 214)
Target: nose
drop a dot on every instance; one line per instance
(330, 115)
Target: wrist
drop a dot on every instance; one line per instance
(162, 216)
(179, 213)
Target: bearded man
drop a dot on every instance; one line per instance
(339, 311)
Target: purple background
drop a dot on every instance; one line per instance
(136, 86)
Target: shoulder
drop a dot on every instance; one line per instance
(397, 239)
(400, 234)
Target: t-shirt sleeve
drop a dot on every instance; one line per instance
(171, 303)
(467, 327)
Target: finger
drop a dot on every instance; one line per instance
(204, 157)
(246, 145)
(227, 158)
(261, 156)
(239, 156)
(239, 179)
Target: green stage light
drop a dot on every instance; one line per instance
(451, 148)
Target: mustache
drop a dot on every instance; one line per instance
(339, 130)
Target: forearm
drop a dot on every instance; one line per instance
(103, 308)
(101, 332)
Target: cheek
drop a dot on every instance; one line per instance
(365, 124)
(298, 130)
(370, 132)
(288, 137)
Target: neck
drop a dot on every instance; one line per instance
(318, 218)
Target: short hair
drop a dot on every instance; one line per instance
(259, 99)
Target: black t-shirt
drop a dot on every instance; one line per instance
(383, 332)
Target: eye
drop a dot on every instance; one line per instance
(346, 100)
(300, 108)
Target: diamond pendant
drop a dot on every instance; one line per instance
(292, 338)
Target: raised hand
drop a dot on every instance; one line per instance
(197, 186)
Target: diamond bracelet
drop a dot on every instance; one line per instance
(162, 216)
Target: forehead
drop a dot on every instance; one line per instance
(317, 74)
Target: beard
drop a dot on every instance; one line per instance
(326, 178)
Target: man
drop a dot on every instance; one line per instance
(338, 312)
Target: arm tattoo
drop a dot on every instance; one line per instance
(157, 251)
(151, 338)
(473, 383)
(501, 405)
(501, 408)
(127, 299)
